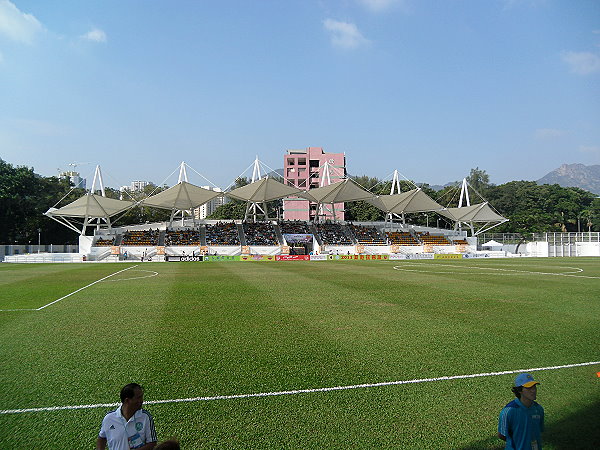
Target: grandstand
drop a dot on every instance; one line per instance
(259, 235)
(211, 237)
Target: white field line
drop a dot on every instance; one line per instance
(503, 271)
(74, 292)
(299, 391)
(151, 272)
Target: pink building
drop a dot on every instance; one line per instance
(304, 169)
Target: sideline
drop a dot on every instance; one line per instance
(68, 295)
(298, 391)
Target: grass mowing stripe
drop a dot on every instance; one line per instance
(302, 391)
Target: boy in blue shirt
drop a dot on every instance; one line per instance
(521, 422)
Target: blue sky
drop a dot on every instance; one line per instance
(430, 88)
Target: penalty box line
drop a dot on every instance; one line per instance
(85, 287)
(299, 391)
(72, 293)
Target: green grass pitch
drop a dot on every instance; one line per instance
(217, 329)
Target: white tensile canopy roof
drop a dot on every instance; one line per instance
(182, 196)
(492, 243)
(91, 205)
(263, 190)
(414, 200)
(480, 212)
(344, 191)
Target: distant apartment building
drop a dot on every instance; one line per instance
(203, 211)
(137, 185)
(305, 169)
(74, 178)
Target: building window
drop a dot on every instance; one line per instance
(301, 161)
(290, 161)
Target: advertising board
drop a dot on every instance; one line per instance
(359, 257)
(447, 256)
(263, 258)
(178, 258)
(419, 256)
(292, 258)
(217, 258)
(298, 238)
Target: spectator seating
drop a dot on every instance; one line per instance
(222, 233)
(428, 239)
(294, 227)
(260, 233)
(367, 235)
(147, 238)
(186, 237)
(333, 234)
(104, 242)
(401, 238)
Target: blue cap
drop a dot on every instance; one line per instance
(525, 380)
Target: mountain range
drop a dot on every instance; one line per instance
(567, 175)
(574, 175)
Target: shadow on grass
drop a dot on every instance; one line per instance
(578, 431)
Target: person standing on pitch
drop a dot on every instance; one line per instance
(128, 426)
(521, 422)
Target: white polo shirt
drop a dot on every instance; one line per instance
(124, 435)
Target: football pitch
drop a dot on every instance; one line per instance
(332, 354)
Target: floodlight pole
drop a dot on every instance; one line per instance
(39, 239)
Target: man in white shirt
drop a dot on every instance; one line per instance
(128, 426)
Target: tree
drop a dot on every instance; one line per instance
(479, 180)
(233, 209)
(362, 211)
(141, 214)
(539, 208)
(24, 198)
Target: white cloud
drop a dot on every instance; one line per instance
(381, 5)
(95, 35)
(344, 35)
(548, 133)
(582, 63)
(16, 25)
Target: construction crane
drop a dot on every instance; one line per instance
(72, 166)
